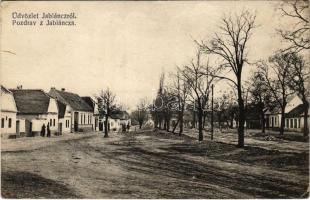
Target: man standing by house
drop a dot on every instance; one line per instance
(48, 131)
(43, 130)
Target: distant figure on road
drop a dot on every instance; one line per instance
(128, 127)
(43, 130)
(48, 131)
(123, 128)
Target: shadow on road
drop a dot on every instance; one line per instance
(31, 185)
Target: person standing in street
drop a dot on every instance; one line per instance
(43, 130)
(48, 131)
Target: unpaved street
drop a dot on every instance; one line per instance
(151, 165)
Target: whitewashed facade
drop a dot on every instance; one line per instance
(7, 113)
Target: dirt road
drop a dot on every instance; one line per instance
(151, 165)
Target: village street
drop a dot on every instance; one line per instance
(148, 164)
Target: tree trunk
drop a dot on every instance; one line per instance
(106, 127)
(140, 125)
(175, 126)
(306, 109)
(263, 121)
(181, 123)
(241, 119)
(200, 116)
(168, 125)
(282, 120)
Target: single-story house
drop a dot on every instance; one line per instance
(81, 112)
(294, 119)
(8, 113)
(36, 108)
(294, 115)
(119, 119)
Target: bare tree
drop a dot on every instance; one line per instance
(231, 45)
(140, 114)
(157, 106)
(221, 104)
(259, 94)
(299, 76)
(180, 90)
(199, 79)
(298, 34)
(107, 106)
(278, 84)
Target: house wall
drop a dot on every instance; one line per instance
(52, 120)
(66, 121)
(22, 126)
(7, 102)
(294, 124)
(38, 121)
(274, 121)
(7, 114)
(7, 123)
(66, 124)
(94, 124)
(115, 124)
(85, 120)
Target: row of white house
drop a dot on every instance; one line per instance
(294, 115)
(25, 111)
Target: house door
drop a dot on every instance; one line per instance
(17, 128)
(60, 128)
(29, 128)
(76, 121)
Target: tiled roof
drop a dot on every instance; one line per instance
(296, 112)
(89, 101)
(31, 101)
(74, 100)
(3, 89)
(61, 109)
(120, 115)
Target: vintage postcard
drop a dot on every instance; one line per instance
(155, 99)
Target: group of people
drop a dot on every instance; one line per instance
(48, 130)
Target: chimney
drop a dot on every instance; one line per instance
(63, 89)
(19, 87)
(53, 88)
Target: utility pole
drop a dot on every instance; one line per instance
(212, 87)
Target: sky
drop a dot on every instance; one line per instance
(121, 45)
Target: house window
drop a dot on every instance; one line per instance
(84, 119)
(10, 122)
(295, 123)
(291, 122)
(2, 122)
(54, 124)
(299, 123)
(51, 122)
